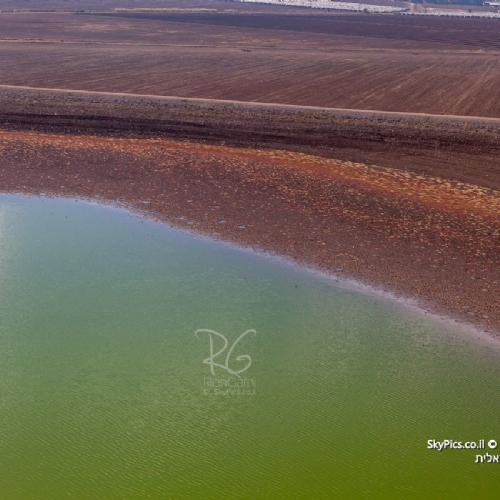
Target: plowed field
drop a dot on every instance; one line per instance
(391, 63)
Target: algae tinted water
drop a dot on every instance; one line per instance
(104, 392)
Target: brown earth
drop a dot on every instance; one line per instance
(405, 202)
(421, 231)
(459, 149)
(442, 31)
(378, 62)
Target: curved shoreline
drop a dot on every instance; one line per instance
(449, 325)
(412, 235)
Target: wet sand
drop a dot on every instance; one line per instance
(435, 238)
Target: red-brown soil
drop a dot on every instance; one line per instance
(429, 236)
(408, 203)
(459, 149)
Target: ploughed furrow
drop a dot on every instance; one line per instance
(451, 31)
(463, 84)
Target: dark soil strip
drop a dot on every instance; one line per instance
(463, 150)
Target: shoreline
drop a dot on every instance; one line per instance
(450, 325)
(414, 232)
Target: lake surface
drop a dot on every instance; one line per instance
(107, 392)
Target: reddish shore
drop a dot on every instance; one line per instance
(415, 231)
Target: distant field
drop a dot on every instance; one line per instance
(392, 63)
(103, 5)
(443, 32)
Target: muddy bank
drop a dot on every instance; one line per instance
(459, 149)
(423, 236)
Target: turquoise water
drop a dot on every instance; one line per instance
(104, 392)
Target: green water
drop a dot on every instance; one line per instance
(104, 393)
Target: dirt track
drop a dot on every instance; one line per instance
(373, 114)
